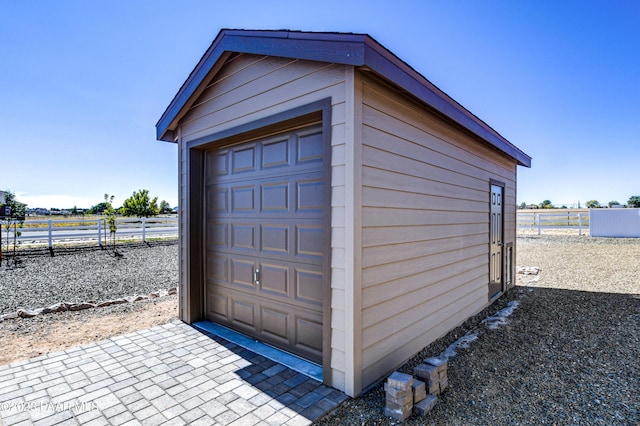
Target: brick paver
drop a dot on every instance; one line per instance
(167, 375)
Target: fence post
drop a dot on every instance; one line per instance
(50, 237)
(539, 225)
(144, 240)
(99, 233)
(580, 224)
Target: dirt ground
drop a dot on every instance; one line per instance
(32, 337)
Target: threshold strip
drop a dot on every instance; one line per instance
(291, 361)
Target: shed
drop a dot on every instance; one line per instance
(334, 203)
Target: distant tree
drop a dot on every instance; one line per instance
(15, 220)
(74, 211)
(165, 207)
(522, 205)
(546, 204)
(140, 205)
(613, 203)
(110, 213)
(98, 208)
(634, 201)
(592, 204)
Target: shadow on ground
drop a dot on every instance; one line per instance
(566, 357)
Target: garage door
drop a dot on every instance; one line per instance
(265, 239)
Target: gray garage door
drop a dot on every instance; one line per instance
(265, 240)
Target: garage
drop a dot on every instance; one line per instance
(265, 233)
(334, 203)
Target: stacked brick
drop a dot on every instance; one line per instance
(399, 396)
(406, 395)
(434, 373)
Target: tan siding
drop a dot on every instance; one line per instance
(425, 198)
(391, 353)
(381, 255)
(385, 179)
(280, 93)
(379, 295)
(384, 236)
(248, 88)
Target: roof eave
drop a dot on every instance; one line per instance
(325, 47)
(347, 49)
(393, 69)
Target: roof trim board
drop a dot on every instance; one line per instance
(359, 50)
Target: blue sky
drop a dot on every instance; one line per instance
(83, 83)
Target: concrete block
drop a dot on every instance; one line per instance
(437, 362)
(402, 400)
(444, 383)
(434, 389)
(399, 415)
(424, 406)
(403, 407)
(427, 372)
(419, 390)
(400, 380)
(396, 392)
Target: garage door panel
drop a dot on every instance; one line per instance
(217, 163)
(276, 154)
(217, 200)
(217, 306)
(265, 240)
(275, 323)
(269, 238)
(309, 333)
(274, 197)
(274, 239)
(309, 195)
(310, 148)
(243, 312)
(243, 237)
(291, 327)
(217, 268)
(275, 279)
(243, 159)
(308, 286)
(242, 274)
(218, 236)
(309, 241)
(243, 199)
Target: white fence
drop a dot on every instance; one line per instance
(539, 221)
(615, 222)
(93, 229)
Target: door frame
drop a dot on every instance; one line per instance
(496, 292)
(195, 224)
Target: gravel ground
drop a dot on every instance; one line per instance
(86, 274)
(569, 355)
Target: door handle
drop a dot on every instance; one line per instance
(256, 276)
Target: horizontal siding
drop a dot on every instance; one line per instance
(386, 236)
(278, 93)
(381, 255)
(386, 179)
(425, 227)
(407, 342)
(250, 87)
(433, 299)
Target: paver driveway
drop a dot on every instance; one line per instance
(167, 375)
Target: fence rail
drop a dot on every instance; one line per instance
(577, 221)
(52, 231)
